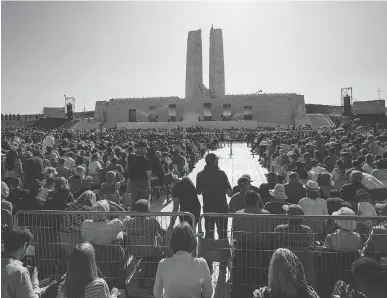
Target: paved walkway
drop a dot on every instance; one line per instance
(235, 161)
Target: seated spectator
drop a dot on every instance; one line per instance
(4, 190)
(237, 189)
(280, 198)
(12, 165)
(16, 281)
(6, 205)
(338, 175)
(312, 204)
(237, 201)
(111, 189)
(31, 201)
(286, 278)
(369, 278)
(376, 245)
(348, 191)
(100, 230)
(95, 168)
(145, 240)
(15, 191)
(293, 234)
(62, 170)
(244, 230)
(265, 187)
(183, 275)
(49, 186)
(344, 239)
(141, 226)
(83, 203)
(325, 183)
(317, 169)
(368, 166)
(381, 172)
(82, 276)
(334, 202)
(294, 189)
(365, 207)
(331, 159)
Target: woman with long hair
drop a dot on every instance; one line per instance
(286, 278)
(183, 275)
(81, 280)
(12, 165)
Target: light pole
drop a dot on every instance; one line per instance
(379, 92)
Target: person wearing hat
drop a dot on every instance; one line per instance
(365, 206)
(237, 201)
(185, 199)
(293, 233)
(312, 204)
(279, 199)
(140, 173)
(344, 239)
(264, 188)
(237, 189)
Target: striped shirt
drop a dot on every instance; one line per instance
(96, 289)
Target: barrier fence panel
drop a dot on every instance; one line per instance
(238, 247)
(128, 246)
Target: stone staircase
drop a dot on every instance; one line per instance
(320, 120)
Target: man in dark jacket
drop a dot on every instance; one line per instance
(213, 184)
(294, 189)
(348, 191)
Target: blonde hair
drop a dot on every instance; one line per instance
(100, 206)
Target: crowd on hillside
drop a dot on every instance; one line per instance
(328, 172)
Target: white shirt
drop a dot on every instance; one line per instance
(49, 141)
(94, 165)
(367, 209)
(183, 276)
(102, 232)
(371, 182)
(314, 207)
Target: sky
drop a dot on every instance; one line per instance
(102, 50)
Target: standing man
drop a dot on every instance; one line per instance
(213, 184)
(140, 173)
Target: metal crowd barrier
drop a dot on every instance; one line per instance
(239, 247)
(128, 249)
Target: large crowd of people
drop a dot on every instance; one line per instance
(96, 177)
